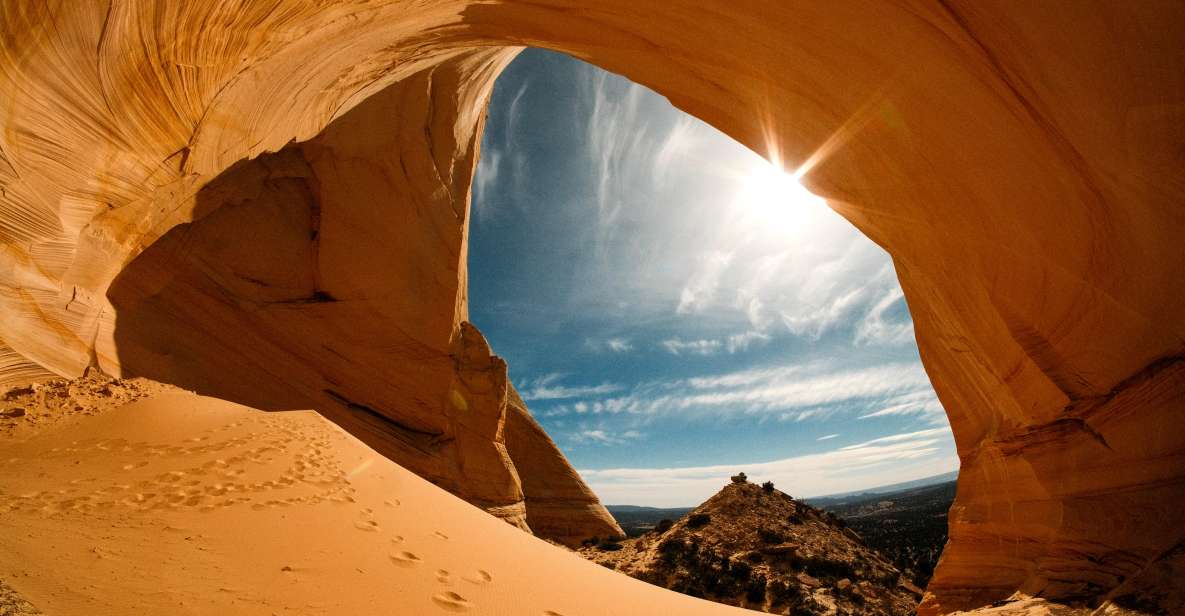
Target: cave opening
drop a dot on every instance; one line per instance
(675, 309)
(272, 211)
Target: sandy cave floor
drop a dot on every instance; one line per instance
(159, 501)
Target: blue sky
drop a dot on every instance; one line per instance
(675, 309)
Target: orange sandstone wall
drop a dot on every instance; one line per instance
(330, 275)
(1022, 162)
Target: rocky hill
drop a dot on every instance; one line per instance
(756, 547)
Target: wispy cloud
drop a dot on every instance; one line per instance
(922, 402)
(512, 113)
(898, 438)
(734, 343)
(792, 393)
(544, 380)
(619, 345)
(548, 387)
(616, 344)
(561, 392)
(827, 438)
(619, 138)
(678, 144)
(874, 328)
(493, 163)
(897, 457)
(701, 288)
(485, 178)
(603, 437)
(818, 320)
(676, 346)
(742, 341)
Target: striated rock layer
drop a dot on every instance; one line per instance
(274, 193)
(327, 275)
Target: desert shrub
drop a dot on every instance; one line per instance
(767, 487)
(608, 545)
(688, 584)
(670, 550)
(698, 520)
(782, 592)
(755, 591)
(663, 525)
(823, 568)
(769, 535)
(808, 606)
(1137, 603)
(671, 546)
(739, 478)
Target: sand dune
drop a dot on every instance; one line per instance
(182, 504)
(269, 202)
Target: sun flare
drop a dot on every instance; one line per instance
(771, 198)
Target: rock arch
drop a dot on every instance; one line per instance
(1022, 164)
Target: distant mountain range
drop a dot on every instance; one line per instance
(815, 500)
(831, 499)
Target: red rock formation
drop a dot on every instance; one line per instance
(315, 277)
(558, 503)
(1022, 164)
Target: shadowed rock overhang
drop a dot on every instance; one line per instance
(267, 202)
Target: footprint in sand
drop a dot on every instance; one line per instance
(479, 577)
(442, 576)
(551, 613)
(394, 502)
(397, 539)
(440, 535)
(367, 525)
(452, 601)
(406, 559)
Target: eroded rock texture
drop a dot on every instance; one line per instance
(1023, 164)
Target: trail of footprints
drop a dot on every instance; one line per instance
(448, 600)
(312, 476)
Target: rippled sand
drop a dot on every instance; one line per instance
(181, 504)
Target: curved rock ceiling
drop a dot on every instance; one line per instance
(266, 201)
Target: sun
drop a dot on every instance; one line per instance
(773, 200)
